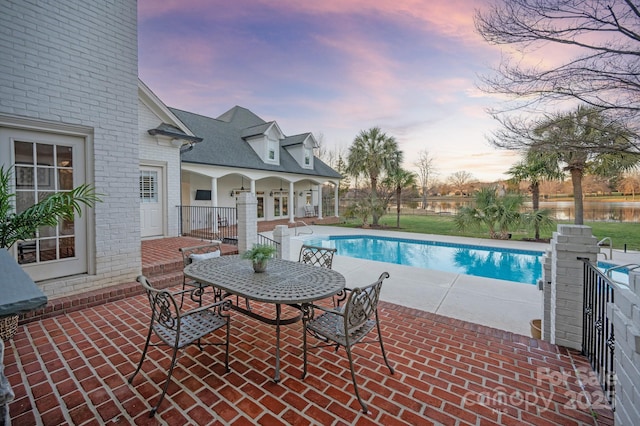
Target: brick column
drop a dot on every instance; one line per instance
(625, 313)
(247, 206)
(281, 235)
(566, 295)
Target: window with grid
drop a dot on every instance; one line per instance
(41, 170)
(148, 186)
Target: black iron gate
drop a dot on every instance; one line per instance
(598, 340)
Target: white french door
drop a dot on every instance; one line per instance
(43, 164)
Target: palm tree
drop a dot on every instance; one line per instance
(372, 153)
(20, 226)
(400, 179)
(536, 167)
(585, 142)
(498, 213)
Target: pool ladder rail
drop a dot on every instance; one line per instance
(602, 242)
(629, 267)
(306, 229)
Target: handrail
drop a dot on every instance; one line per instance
(305, 225)
(601, 244)
(268, 242)
(629, 267)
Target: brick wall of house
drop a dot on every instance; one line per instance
(73, 62)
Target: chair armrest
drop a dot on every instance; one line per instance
(179, 292)
(329, 310)
(225, 304)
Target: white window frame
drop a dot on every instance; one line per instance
(272, 147)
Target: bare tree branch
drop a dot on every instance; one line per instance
(604, 72)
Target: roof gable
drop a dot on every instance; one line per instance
(168, 119)
(263, 129)
(301, 139)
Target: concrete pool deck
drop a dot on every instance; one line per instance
(505, 305)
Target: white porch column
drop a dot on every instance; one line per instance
(252, 186)
(336, 202)
(320, 201)
(214, 192)
(292, 203)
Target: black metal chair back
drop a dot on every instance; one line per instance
(318, 256)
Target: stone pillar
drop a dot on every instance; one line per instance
(247, 206)
(566, 296)
(625, 313)
(6, 393)
(546, 291)
(281, 235)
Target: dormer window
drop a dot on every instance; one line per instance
(272, 155)
(307, 158)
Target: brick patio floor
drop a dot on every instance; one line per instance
(73, 368)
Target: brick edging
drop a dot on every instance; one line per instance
(76, 302)
(473, 327)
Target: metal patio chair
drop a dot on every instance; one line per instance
(177, 329)
(193, 254)
(318, 256)
(347, 325)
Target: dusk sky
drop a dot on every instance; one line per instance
(333, 68)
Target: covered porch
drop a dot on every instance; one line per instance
(279, 195)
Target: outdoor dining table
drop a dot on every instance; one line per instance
(283, 283)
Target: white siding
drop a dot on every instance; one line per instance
(75, 62)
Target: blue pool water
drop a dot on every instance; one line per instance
(523, 266)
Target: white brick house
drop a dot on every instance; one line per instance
(68, 106)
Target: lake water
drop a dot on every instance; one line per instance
(596, 211)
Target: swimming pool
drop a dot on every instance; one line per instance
(523, 266)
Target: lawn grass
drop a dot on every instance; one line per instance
(621, 233)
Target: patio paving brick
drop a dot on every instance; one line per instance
(73, 369)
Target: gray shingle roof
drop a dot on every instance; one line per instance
(294, 140)
(222, 144)
(260, 129)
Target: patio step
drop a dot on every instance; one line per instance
(163, 268)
